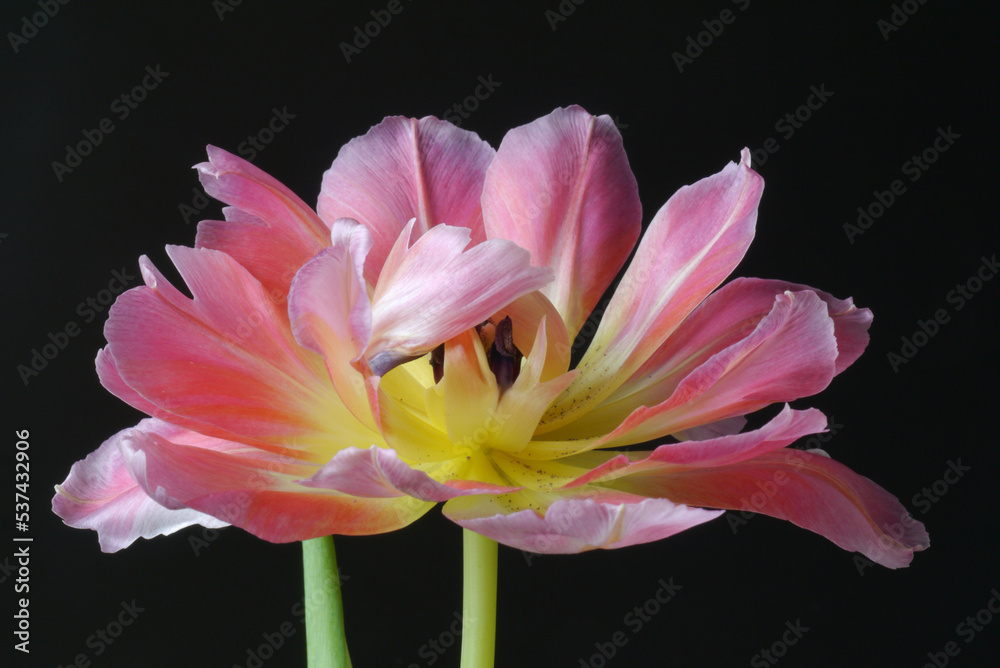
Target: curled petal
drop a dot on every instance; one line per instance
(404, 169)
(330, 312)
(101, 494)
(730, 314)
(435, 289)
(734, 317)
(607, 521)
(805, 488)
(257, 492)
(562, 188)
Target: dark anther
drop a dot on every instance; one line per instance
(437, 363)
(503, 355)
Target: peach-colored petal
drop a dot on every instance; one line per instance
(562, 188)
(403, 169)
(807, 489)
(100, 494)
(255, 492)
(227, 359)
(607, 520)
(692, 244)
(268, 230)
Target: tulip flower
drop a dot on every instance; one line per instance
(410, 342)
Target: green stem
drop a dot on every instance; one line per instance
(326, 645)
(479, 607)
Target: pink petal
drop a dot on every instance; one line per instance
(225, 362)
(100, 494)
(435, 289)
(330, 313)
(692, 244)
(255, 492)
(786, 355)
(268, 230)
(810, 490)
(784, 429)
(107, 373)
(562, 188)
(404, 169)
(732, 313)
(576, 525)
(380, 473)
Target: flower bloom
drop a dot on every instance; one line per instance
(409, 342)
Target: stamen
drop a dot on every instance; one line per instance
(503, 355)
(437, 363)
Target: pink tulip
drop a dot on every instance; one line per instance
(341, 371)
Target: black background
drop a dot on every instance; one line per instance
(902, 428)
